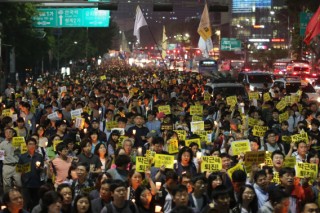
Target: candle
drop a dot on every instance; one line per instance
(3, 207)
(134, 132)
(199, 154)
(38, 163)
(157, 209)
(242, 108)
(158, 185)
(139, 151)
(85, 131)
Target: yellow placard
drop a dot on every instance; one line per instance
(266, 97)
(150, 155)
(111, 124)
(122, 138)
(281, 105)
(252, 121)
(196, 140)
(196, 118)
(23, 148)
(230, 171)
(289, 162)
(104, 77)
(182, 134)
(41, 91)
(173, 146)
(165, 109)
(142, 164)
(204, 135)
(294, 99)
(276, 178)
(239, 147)
(206, 96)
(300, 137)
(23, 168)
(7, 112)
(284, 116)
(306, 170)
(55, 143)
(197, 125)
(254, 95)
(254, 157)
(259, 130)
(232, 100)
(196, 110)
(79, 123)
(268, 161)
(285, 138)
(211, 164)
(17, 141)
(164, 160)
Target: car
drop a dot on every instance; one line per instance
(293, 84)
(256, 79)
(226, 89)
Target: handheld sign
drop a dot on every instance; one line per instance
(196, 140)
(164, 160)
(17, 141)
(23, 168)
(173, 146)
(211, 164)
(196, 110)
(165, 109)
(76, 113)
(197, 125)
(142, 164)
(239, 147)
(307, 170)
(53, 116)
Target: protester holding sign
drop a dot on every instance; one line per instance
(31, 180)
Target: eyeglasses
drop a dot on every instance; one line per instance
(146, 195)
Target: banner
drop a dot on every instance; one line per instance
(139, 22)
(204, 28)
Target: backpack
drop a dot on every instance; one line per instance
(131, 206)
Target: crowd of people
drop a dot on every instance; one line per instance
(75, 144)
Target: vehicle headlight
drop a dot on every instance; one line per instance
(281, 73)
(318, 99)
(251, 88)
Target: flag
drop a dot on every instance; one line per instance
(139, 22)
(205, 46)
(313, 27)
(164, 43)
(204, 28)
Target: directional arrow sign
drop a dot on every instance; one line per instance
(71, 17)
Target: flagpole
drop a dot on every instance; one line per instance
(154, 40)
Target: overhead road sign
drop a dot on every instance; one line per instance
(71, 17)
(304, 20)
(230, 44)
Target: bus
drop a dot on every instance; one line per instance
(207, 67)
(280, 66)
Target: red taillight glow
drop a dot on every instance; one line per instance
(295, 73)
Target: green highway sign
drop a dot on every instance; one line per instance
(230, 44)
(304, 20)
(71, 17)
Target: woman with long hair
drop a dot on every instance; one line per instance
(82, 204)
(144, 200)
(247, 200)
(214, 180)
(101, 151)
